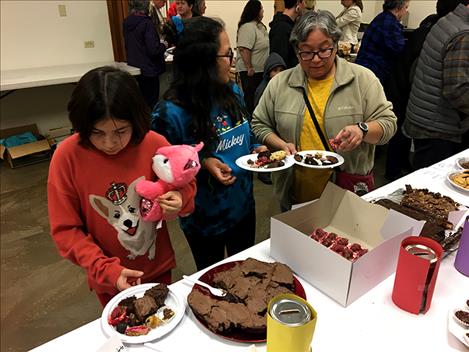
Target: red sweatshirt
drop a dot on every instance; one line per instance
(94, 212)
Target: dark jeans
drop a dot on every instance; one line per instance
(430, 151)
(208, 250)
(249, 85)
(150, 88)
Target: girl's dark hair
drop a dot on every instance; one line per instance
(196, 84)
(251, 12)
(108, 92)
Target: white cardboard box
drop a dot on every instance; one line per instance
(342, 212)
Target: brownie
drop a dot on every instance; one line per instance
(433, 204)
(159, 293)
(252, 283)
(145, 306)
(265, 153)
(439, 224)
(128, 303)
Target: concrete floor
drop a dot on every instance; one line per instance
(44, 296)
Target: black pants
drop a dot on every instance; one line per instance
(397, 158)
(430, 151)
(150, 88)
(249, 85)
(208, 250)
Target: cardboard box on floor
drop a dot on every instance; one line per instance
(342, 212)
(24, 154)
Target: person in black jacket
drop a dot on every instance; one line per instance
(397, 88)
(280, 30)
(144, 49)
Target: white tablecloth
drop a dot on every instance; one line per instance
(372, 323)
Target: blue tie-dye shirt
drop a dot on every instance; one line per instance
(217, 207)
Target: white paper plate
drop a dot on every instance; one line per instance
(173, 301)
(454, 184)
(456, 329)
(324, 153)
(242, 162)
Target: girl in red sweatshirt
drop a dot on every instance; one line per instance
(93, 207)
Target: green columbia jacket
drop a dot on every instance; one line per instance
(356, 95)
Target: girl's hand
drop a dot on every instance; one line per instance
(170, 202)
(349, 138)
(128, 278)
(220, 171)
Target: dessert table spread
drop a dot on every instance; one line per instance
(373, 322)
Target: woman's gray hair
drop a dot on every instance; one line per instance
(393, 4)
(139, 6)
(312, 20)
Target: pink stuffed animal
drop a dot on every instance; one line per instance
(175, 166)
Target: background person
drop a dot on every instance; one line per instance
(398, 86)
(349, 20)
(383, 40)
(93, 207)
(253, 50)
(202, 104)
(438, 108)
(357, 114)
(144, 49)
(280, 30)
(199, 8)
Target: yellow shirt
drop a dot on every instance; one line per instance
(309, 183)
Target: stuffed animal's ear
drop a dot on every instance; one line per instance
(199, 146)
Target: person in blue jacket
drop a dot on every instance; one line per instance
(383, 41)
(144, 49)
(202, 104)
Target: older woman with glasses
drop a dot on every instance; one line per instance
(203, 105)
(323, 98)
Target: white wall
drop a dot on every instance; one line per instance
(34, 35)
(230, 12)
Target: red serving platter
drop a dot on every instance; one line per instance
(237, 335)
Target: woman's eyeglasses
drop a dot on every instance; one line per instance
(322, 54)
(229, 55)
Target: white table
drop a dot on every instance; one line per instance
(51, 75)
(372, 323)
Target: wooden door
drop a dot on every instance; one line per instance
(117, 12)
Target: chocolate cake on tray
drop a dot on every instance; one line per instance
(250, 284)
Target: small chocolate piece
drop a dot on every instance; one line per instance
(265, 153)
(332, 159)
(298, 157)
(462, 316)
(310, 160)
